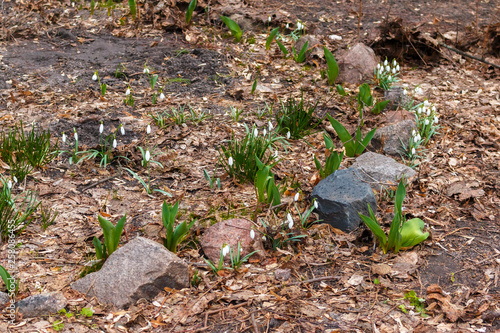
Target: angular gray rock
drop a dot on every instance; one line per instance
(230, 232)
(139, 269)
(282, 274)
(378, 170)
(4, 298)
(389, 138)
(357, 64)
(396, 97)
(341, 196)
(42, 304)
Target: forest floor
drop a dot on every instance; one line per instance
(49, 52)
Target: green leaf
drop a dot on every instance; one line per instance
(333, 68)
(98, 248)
(361, 146)
(301, 57)
(92, 7)
(379, 107)
(233, 26)
(344, 136)
(6, 279)
(190, 10)
(282, 48)
(254, 86)
(271, 37)
(133, 7)
(117, 233)
(412, 233)
(341, 90)
(372, 224)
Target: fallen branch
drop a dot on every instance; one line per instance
(468, 55)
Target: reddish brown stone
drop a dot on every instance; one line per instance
(357, 64)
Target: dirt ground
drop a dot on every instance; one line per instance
(49, 51)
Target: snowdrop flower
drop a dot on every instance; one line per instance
(385, 62)
(269, 18)
(405, 92)
(387, 68)
(230, 161)
(426, 102)
(264, 238)
(394, 71)
(64, 138)
(300, 26)
(287, 26)
(15, 179)
(270, 126)
(94, 77)
(122, 129)
(162, 97)
(418, 91)
(380, 71)
(315, 203)
(127, 92)
(264, 132)
(397, 68)
(413, 151)
(255, 132)
(147, 155)
(296, 197)
(419, 111)
(426, 122)
(146, 70)
(389, 78)
(9, 184)
(275, 154)
(378, 66)
(288, 135)
(101, 128)
(433, 108)
(252, 234)
(394, 63)
(436, 120)
(114, 143)
(428, 112)
(148, 129)
(76, 136)
(225, 250)
(413, 132)
(290, 221)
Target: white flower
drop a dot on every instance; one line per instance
(230, 161)
(426, 121)
(148, 129)
(64, 138)
(264, 132)
(287, 25)
(385, 62)
(387, 68)
(413, 132)
(114, 143)
(297, 196)
(122, 129)
(14, 178)
(147, 156)
(76, 136)
(397, 68)
(418, 137)
(275, 154)
(9, 184)
(162, 97)
(264, 238)
(436, 120)
(389, 78)
(269, 18)
(101, 128)
(426, 103)
(418, 91)
(419, 111)
(288, 135)
(405, 92)
(394, 71)
(94, 77)
(127, 92)
(394, 63)
(300, 26)
(255, 132)
(381, 70)
(413, 151)
(290, 225)
(428, 112)
(225, 250)
(252, 234)
(270, 126)
(378, 66)
(146, 70)
(315, 203)
(433, 108)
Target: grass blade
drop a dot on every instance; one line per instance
(190, 10)
(271, 37)
(333, 68)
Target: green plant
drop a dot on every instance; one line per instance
(353, 146)
(427, 120)
(235, 113)
(105, 150)
(146, 160)
(416, 302)
(365, 99)
(267, 110)
(160, 119)
(173, 236)
(196, 117)
(220, 266)
(304, 216)
(190, 10)
(238, 156)
(233, 26)
(15, 217)
(265, 185)
(11, 284)
(58, 325)
(86, 312)
(236, 261)
(271, 37)
(386, 75)
(129, 99)
(333, 158)
(196, 279)
(133, 8)
(282, 48)
(178, 115)
(402, 233)
(102, 86)
(332, 67)
(212, 181)
(46, 217)
(301, 56)
(120, 71)
(254, 86)
(112, 235)
(65, 313)
(278, 238)
(296, 118)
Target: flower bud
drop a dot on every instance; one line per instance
(385, 62)
(288, 135)
(147, 155)
(114, 143)
(296, 197)
(148, 129)
(127, 92)
(101, 128)
(413, 151)
(122, 129)
(252, 234)
(162, 97)
(230, 161)
(64, 138)
(426, 122)
(94, 77)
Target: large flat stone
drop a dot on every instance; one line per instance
(42, 304)
(389, 138)
(139, 269)
(379, 170)
(341, 196)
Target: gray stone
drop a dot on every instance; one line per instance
(313, 45)
(379, 170)
(357, 64)
(389, 138)
(282, 274)
(42, 304)
(245, 23)
(230, 232)
(341, 196)
(139, 269)
(396, 97)
(4, 298)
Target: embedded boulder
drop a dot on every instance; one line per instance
(379, 170)
(389, 138)
(340, 197)
(141, 268)
(42, 304)
(357, 64)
